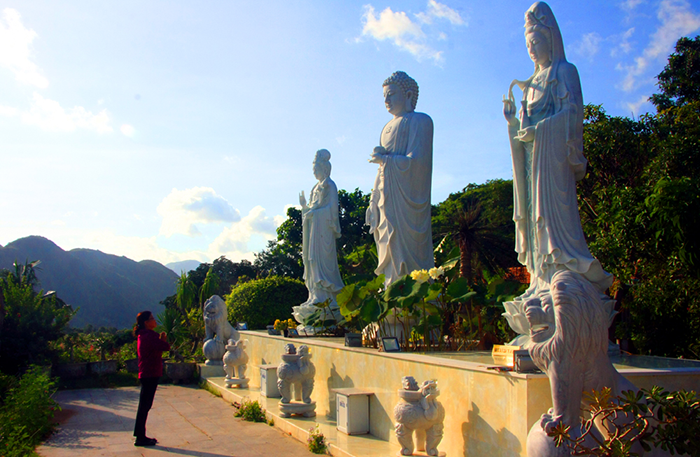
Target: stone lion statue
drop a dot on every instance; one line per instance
(569, 342)
(217, 330)
(419, 414)
(297, 371)
(236, 361)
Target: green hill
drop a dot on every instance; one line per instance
(109, 290)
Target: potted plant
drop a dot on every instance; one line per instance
(284, 326)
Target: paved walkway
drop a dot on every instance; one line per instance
(187, 421)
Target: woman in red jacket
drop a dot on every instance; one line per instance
(150, 349)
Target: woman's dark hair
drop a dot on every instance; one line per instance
(141, 319)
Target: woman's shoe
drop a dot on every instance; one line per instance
(145, 441)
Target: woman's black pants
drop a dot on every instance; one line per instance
(148, 391)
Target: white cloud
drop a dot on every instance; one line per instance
(406, 34)
(49, 115)
(439, 11)
(589, 45)
(137, 248)
(15, 49)
(182, 209)
(233, 241)
(623, 43)
(635, 107)
(8, 111)
(629, 5)
(128, 130)
(677, 20)
(16, 55)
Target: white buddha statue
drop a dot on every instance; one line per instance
(399, 208)
(321, 229)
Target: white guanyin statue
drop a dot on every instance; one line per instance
(321, 229)
(399, 208)
(547, 150)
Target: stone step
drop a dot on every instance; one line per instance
(340, 444)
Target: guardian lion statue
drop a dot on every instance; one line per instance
(296, 370)
(419, 411)
(236, 361)
(217, 330)
(569, 342)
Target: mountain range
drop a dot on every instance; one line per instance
(109, 290)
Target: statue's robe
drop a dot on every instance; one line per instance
(399, 209)
(321, 228)
(548, 232)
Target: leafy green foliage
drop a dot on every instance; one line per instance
(227, 274)
(90, 346)
(26, 411)
(261, 301)
(316, 441)
(251, 411)
(361, 303)
(30, 321)
(282, 257)
(479, 222)
(640, 209)
(322, 319)
(680, 80)
(650, 418)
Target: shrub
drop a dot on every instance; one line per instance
(654, 418)
(26, 411)
(251, 411)
(261, 301)
(30, 322)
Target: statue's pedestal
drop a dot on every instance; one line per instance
(298, 408)
(241, 383)
(210, 371)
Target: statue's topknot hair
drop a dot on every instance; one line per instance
(406, 83)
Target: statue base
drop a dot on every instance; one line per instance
(241, 383)
(298, 408)
(214, 363)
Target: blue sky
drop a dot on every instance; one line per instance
(173, 130)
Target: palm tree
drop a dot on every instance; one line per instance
(482, 244)
(484, 239)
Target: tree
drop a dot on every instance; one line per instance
(227, 272)
(30, 320)
(282, 257)
(478, 221)
(640, 208)
(679, 82)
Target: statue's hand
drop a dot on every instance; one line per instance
(509, 111)
(378, 155)
(302, 199)
(526, 134)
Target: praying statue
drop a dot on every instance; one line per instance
(399, 208)
(321, 228)
(547, 150)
